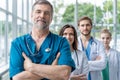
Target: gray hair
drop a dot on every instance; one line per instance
(43, 2)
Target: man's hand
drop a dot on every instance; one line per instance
(55, 62)
(27, 75)
(78, 77)
(98, 57)
(83, 77)
(27, 62)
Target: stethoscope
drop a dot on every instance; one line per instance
(36, 52)
(31, 53)
(77, 60)
(92, 44)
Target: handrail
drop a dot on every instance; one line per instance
(1, 74)
(4, 70)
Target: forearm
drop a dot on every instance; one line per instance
(26, 75)
(51, 72)
(96, 65)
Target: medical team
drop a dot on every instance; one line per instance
(103, 61)
(45, 56)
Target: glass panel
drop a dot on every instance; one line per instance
(3, 4)
(29, 27)
(30, 8)
(24, 28)
(2, 39)
(19, 24)
(19, 8)
(10, 5)
(9, 32)
(25, 9)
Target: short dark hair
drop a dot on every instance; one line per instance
(85, 18)
(43, 2)
(75, 34)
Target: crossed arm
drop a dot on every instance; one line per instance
(39, 71)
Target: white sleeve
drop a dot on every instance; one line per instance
(97, 65)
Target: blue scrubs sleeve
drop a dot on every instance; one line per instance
(65, 54)
(16, 59)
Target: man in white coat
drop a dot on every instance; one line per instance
(93, 48)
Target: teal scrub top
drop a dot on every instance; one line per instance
(46, 54)
(105, 72)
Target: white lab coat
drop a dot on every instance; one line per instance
(114, 64)
(82, 68)
(95, 67)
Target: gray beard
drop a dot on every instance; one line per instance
(41, 27)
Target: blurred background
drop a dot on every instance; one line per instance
(15, 21)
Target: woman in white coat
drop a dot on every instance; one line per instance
(112, 70)
(93, 48)
(78, 56)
